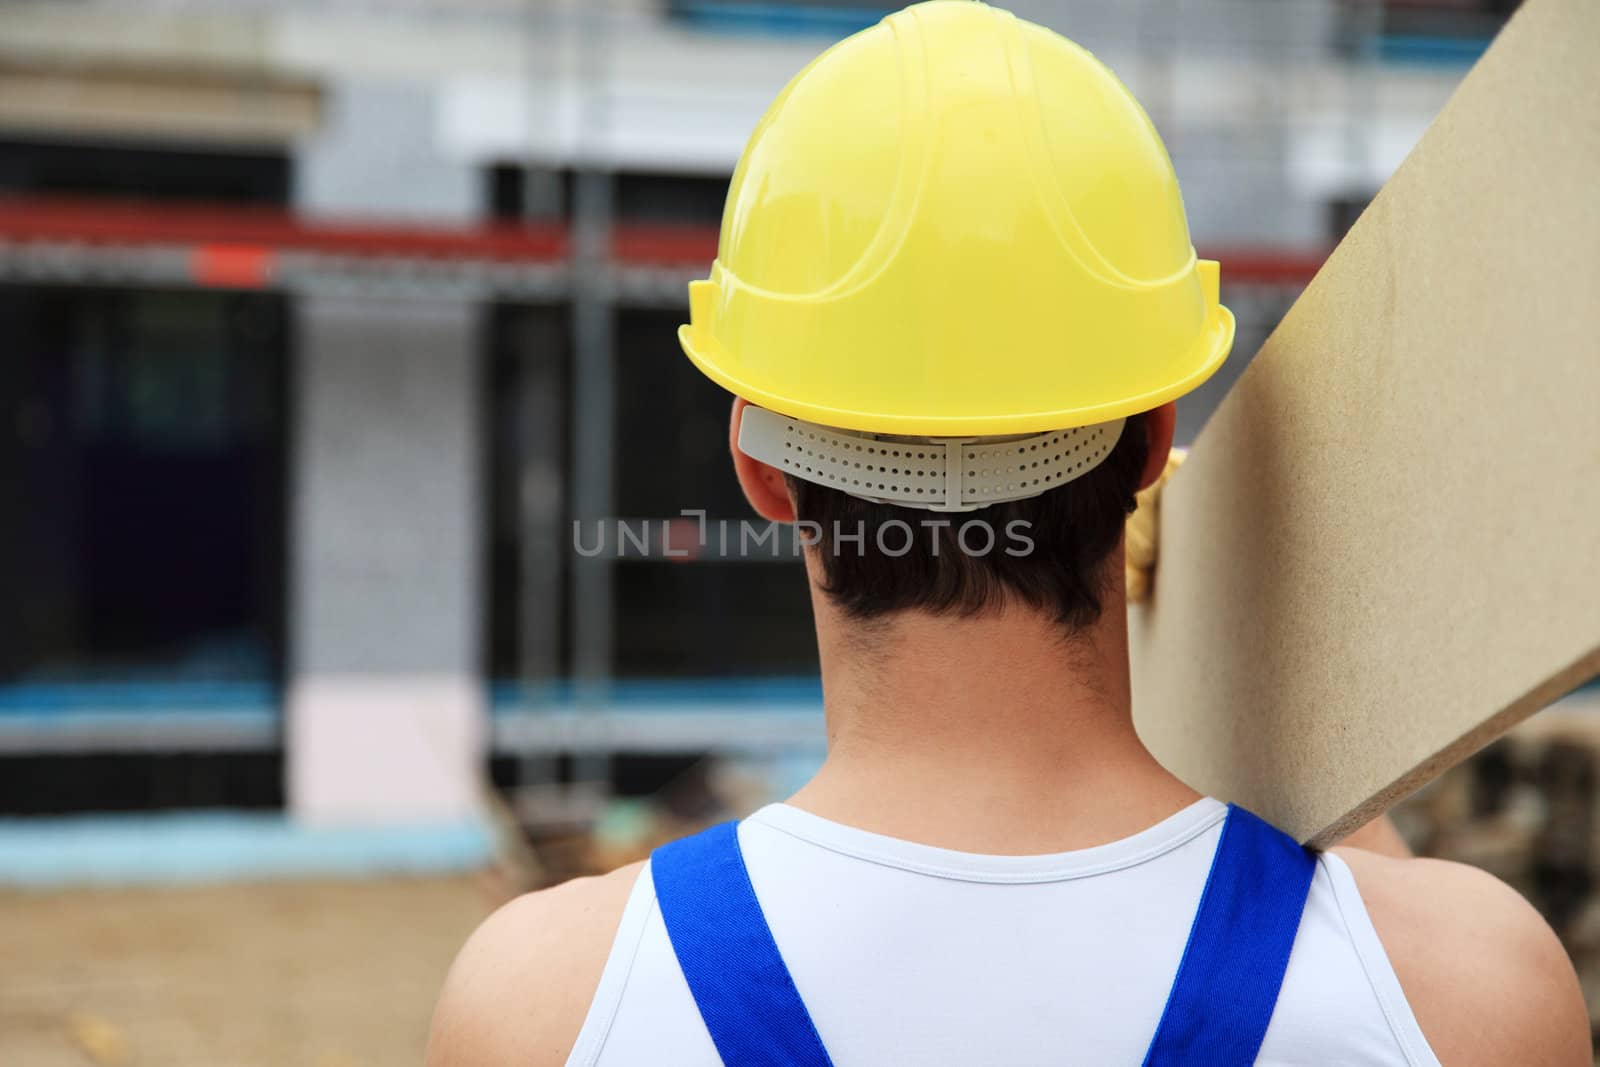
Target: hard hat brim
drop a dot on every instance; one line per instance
(1207, 354)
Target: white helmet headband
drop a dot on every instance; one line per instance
(935, 473)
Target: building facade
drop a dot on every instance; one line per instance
(333, 325)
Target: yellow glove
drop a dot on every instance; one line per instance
(1144, 525)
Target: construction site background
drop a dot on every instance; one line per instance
(328, 323)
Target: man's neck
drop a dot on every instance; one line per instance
(992, 734)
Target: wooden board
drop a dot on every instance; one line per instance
(1384, 549)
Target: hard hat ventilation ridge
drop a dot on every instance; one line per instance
(937, 474)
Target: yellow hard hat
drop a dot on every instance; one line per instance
(956, 223)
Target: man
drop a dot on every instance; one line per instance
(955, 298)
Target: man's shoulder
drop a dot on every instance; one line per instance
(521, 986)
(1483, 972)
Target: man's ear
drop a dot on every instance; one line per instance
(1159, 424)
(763, 485)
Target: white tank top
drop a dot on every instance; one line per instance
(909, 954)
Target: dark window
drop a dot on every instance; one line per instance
(517, 192)
(1342, 214)
(691, 618)
(529, 541)
(143, 460)
(144, 172)
(67, 783)
(142, 471)
(671, 198)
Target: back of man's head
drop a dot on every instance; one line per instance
(1050, 552)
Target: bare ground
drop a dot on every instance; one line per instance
(281, 975)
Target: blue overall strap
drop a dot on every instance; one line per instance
(727, 954)
(1228, 980)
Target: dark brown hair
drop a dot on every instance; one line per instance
(1068, 533)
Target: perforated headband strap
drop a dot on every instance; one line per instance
(936, 473)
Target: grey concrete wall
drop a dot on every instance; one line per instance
(387, 716)
(378, 155)
(386, 707)
(386, 497)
